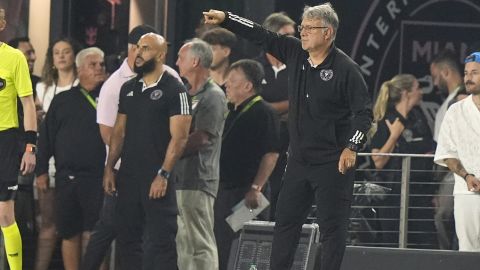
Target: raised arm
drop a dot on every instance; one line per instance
(280, 46)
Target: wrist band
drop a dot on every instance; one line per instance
(256, 187)
(31, 137)
(466, 175)
(164, 174)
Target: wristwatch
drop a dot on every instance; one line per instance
(163, 173)
(31, 149)
(353, 147)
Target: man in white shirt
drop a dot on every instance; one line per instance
(104, 233)
(446, 76)
(458, 148)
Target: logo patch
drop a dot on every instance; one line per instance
(3, 84)
(326, 74)
(12, 187)
(156, 94)
(130, 94)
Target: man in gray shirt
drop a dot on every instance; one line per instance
(197, 173)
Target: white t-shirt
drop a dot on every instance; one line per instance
(441, 113)
(45, 94)
(459, 138)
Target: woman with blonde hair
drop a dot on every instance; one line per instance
(401, 127)
(58, 75)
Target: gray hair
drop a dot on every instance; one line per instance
(202, 50)
(324, 12)
(81, 55)
(275, 21)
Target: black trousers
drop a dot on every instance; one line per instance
(146, 227)
(302, 186)
(102, 236)
(275, 179)
(224, 235)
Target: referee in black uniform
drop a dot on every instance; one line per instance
(329, 116)
(150, 134)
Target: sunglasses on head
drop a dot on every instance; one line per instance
(474, 57)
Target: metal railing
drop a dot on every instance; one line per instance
(405, 202)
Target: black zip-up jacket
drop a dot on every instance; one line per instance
(71, 134)
(330, 107)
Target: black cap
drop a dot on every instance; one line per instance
(139, 31)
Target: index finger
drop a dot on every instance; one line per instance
(341, 165)
(208, 14)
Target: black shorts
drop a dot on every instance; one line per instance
(9, 159)
(8, 190)
(78, 204)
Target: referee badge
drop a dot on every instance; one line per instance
(3, 84)
(326, 74)
(156, 94)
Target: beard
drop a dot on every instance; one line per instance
(443, 86)
(472, 88)
(147, 67)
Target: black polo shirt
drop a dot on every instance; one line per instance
(416, 138)
(148, 114)
(329, 105)
(274, 85)
(247, 137)
(71, 134)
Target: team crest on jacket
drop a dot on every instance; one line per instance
(326, 74)
(3, 84)
(156, 94)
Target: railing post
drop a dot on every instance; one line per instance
(404, 194)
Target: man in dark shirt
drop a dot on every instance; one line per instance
(150, 134)
(275, 92)
(249, 149)
(72, 136)
(26, 47)
(329, 116)
(222, 42)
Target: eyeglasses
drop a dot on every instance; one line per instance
(474, 57)
(309, 28)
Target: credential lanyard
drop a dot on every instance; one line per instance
(89, 98)
(245, 109)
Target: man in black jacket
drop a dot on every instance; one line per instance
(72, 136)
(329, 116)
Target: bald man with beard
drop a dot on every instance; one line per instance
(149, 135)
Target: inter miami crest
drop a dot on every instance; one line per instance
(3, 84)
(156, 94)
(326, 74)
